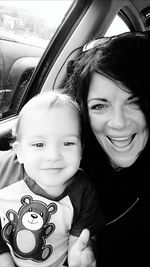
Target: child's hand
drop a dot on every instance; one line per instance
(81, 254)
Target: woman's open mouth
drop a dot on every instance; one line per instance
(121, 142)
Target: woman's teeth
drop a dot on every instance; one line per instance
(121, 142)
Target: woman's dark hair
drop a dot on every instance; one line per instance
(124, 58)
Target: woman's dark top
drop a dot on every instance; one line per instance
(124, 197)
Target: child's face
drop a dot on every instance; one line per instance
(50, 146)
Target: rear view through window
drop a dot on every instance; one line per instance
(26, 28)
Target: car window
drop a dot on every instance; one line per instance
(118, 26)
(26, 28)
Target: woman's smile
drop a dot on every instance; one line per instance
(121, 142)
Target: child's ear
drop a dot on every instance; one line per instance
(17, 148)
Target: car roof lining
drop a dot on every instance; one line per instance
(99, 23)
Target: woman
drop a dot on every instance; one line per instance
(110, 80)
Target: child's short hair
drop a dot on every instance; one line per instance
(45, 101)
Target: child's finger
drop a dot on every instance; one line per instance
(83, 239)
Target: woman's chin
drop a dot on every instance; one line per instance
(123, 162)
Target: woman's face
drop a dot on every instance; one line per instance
(116, 120)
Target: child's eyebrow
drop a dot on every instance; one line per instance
(63, 136)
(71, 136)
(36, 136)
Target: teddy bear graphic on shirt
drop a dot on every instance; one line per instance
(28, 229)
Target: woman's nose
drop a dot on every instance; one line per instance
(117, 118)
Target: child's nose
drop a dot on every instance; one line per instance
(52, 152)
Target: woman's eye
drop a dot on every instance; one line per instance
(97, 107)
(134, 102)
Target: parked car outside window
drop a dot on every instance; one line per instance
(26, 28)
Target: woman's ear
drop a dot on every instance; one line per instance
(17, 148)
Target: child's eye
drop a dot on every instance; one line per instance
(38, 144)
(69, 143)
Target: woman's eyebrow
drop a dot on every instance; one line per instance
(132, 97)
(97, 99)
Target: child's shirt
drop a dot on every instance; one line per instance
(37, 227)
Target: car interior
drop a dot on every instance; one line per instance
(46, 69)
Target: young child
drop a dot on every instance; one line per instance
(43, 215)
